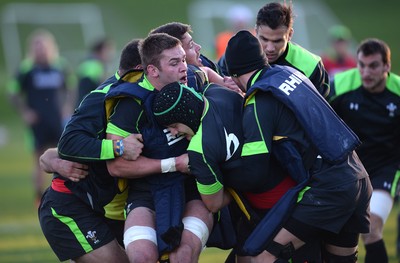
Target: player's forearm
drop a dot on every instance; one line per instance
(141, 167)
(48, 160)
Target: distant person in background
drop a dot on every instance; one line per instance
(41, 92)
(92, 71)
(82, 190)
(338, 57)
(238, 17)
(368, 100)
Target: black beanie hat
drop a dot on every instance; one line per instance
(244, 53)
(177, 103)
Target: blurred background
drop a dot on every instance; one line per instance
(76, 24)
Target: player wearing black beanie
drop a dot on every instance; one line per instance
(244, 54)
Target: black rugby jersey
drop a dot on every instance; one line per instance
(375, 118)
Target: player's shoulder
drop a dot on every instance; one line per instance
(393, 83)
(299, 52)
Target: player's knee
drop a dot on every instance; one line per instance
(379, 210)
(139, 232)
(184, 253)
(197, 227)
(143, 257)
(331, 258)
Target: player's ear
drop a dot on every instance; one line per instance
(152, 71)
(291, 31)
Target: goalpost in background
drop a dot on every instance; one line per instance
(75, 26)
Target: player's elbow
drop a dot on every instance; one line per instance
(214, 209)
(213, 206)
(113, 170)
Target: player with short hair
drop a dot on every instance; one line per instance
(367, 98)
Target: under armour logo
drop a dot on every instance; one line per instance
(391, 108)
(387, 185)
(353, 106)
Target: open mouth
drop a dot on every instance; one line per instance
(183, 80)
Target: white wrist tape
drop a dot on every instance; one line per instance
(139, 233)
(168, 165)
(197, 227)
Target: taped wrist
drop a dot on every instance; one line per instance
(119, 148)
(168, 165)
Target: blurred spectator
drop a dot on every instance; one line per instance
(338, 57)
(92, 71)
(40, 92)
(238, 17)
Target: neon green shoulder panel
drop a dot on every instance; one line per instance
(302, 59)
(346, 81)
(92, 69)
(195, 143)
(393, 83)
(351, 79)
(256, 147)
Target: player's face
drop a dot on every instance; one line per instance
(42, 50)
(373, 72)
(173, 66)
(192, 50)
(273, 41)
(177, 129)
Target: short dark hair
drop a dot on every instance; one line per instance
(130, 57)
(100, 44)
(275, 15)
(151, 47)
(175, 29)
(372, 46)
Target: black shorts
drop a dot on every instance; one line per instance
(386, 179)
(72, 228)
(140, 194)
(309, 234)
(310, 252)
(336, 209)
